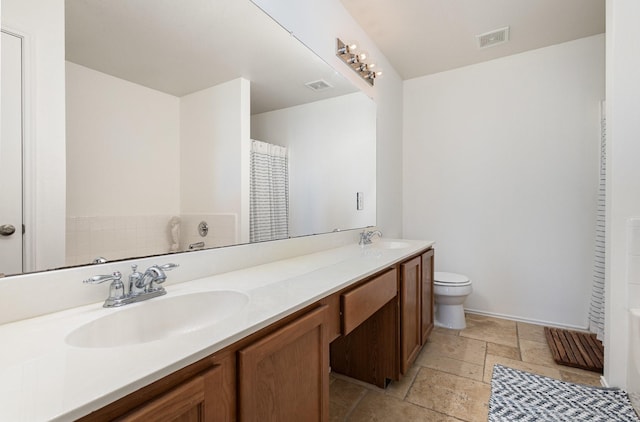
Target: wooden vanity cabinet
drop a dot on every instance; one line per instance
(368, 347)
(285, 375)
(416, 306)
(279, 373)
(373, 329)
(386, 320)
(360, 303)
(427, 295)
(332, 303)
(410, 293)
(191, 401)
(202, 391)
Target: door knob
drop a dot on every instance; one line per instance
(7, 230)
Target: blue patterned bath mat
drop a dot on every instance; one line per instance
(521, 396)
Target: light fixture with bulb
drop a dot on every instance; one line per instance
(357, 61)
(347, 48)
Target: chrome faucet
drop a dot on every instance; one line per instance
(156, 276)
(367, 235)
(142, 286)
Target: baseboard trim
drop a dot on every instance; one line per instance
(528, 320)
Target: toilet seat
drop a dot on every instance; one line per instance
(450, 291)
(450, 279)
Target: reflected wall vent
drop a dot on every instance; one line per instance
(492, 38)
(319, 85)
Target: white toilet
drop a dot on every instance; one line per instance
(450, 291)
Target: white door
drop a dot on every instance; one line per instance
(11, 155)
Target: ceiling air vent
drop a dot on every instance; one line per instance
(495, 37)
(319, 85)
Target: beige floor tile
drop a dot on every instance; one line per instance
(504, 351)
(523, 366)
(376, 407)
(494, 330)
(585, 377)
(400, 388)
(455, 347)
(531, 332)
(451, 395)
(362, 384)
(343, 396)
(536, 352)
(431, 358)
(443, 330)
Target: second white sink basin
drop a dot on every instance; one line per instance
(158, 319)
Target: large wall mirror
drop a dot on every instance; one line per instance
(194, 125)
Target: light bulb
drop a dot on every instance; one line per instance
(348, 48)
(373, 75)
(353, 59)
(365, 67)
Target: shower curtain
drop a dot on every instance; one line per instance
(596, 310)
(269, 192)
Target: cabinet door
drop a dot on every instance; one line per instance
(427, 294)
(410, 315)
(191, 401)
(285, 375)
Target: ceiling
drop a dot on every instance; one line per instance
(183, 47)
(421, 37)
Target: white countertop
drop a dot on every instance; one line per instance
(43, 378)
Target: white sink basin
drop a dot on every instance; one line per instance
(391, 244)
(158, 319)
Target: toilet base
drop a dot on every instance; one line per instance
(450, 316)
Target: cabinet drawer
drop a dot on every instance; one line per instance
(363, 301)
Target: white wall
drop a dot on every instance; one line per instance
(323, 183)
(41, 22)
(123, 172)
(500, 169)
(214, 152)
(623, 186)
(317, 25)
(123, 147)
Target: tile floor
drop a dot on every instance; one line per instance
(450, 380)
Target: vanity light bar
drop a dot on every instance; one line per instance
(357, 61)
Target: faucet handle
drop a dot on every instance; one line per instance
(168, 267)
(157, 276)
(116, 290)
(97, 279)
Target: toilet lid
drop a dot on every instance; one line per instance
(450, 278)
